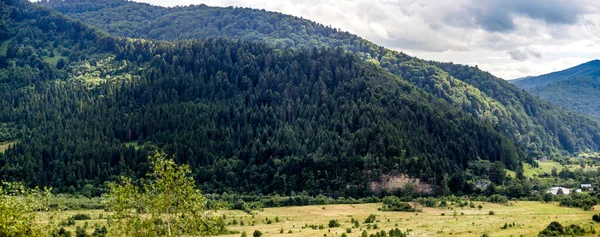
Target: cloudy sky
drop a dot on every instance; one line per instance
(509, 38)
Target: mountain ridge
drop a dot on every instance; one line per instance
(518, 115)
(587, 69)
(248, 117)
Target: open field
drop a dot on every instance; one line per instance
(544, 167)
(529, 217)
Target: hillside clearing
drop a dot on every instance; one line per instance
(6, 145)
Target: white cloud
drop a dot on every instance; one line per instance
(509, 38)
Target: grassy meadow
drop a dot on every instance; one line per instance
(529, 218)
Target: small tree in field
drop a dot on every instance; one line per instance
(167, 205)
(17, 210)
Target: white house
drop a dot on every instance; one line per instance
(586, 186)
(554, 190)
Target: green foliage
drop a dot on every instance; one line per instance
(519, 115)
(579, 94)
(168, 204)
(248, 117)
(393, 203)
(589, 69)
(496, 198)
(371, 219)
(82, 216)
(62, 232)
(257, 233)
(17, 210)
(80, 232)
(100, 231)
(596, 218)
(556, 229)
(334, 224)
(575, 199)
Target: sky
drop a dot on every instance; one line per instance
(509, 38)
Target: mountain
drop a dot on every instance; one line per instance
(536, 125)
(576, 88)
(247, 117)
(521, 78)
(590, 69)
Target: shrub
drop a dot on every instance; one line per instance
(496, 198)
(596, 218)
(391, 203)
(334, 223)
(556, 229)
(100, 231)
(80, 232)
(348, 230)
(491, 213)
(60, 233)
(257, 233)
(371, 219)
(81, 217)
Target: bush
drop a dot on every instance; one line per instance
(556, 229)
(334, 223)
(348, 230)
(68, 222)
(596, 218)
(60, 233)
(80, 232)
(496, 198)
(100, 231)
(391, 203)
(81, 217)
(371, 219)
(491, 213)
(257, 233)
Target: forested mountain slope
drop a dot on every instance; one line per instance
(576, 88)
(579, 94)
(535, 124)
(247, 117)
(589, 69)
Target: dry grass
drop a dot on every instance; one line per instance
(530, 218)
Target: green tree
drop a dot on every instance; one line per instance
(497, 172)
(17, 210)
(167, 205)
(548, 197)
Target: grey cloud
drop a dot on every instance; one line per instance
(523, 54)
(498, 15)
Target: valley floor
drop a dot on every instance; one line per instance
(529, 219)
